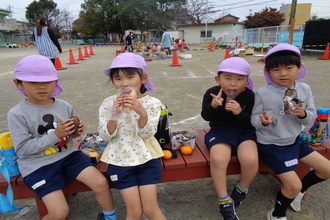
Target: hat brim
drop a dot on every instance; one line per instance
(58, 88)
(301, 74)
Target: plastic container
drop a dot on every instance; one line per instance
(8, 154)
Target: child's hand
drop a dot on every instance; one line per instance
(217, 100)
(266, 119)
(133, 103)
(298, 111)
(65, 128)
(115, 112)
(234, 107)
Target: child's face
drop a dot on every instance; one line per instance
(124, 80)
(37, 92)
(284, 75)
(231, 81)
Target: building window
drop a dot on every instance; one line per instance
(209, 33)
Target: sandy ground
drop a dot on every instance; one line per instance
(182, 89)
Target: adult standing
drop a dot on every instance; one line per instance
(167, 41)
(46, 40)
(129, 41)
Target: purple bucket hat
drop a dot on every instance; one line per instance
(238, 66)
(37, 68)
(130, 60)
(282, 47)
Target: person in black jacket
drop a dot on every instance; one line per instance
(46, 40)
(228, 107)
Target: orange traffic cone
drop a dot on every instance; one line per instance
(211, 47)
(175, 61)
(58, 64)
(117, 53)
(326, 53)
(153, 48)
(71, 58)
(227, 55)
(182, 48)
(91, 52)
(240, 44)
(86, 52)
(80, 56)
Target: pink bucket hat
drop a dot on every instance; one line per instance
(130, 60)
(37, 68)
(238, 66)
(282, 47)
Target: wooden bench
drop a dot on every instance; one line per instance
(184, 167)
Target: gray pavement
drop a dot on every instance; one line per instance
(182, 89)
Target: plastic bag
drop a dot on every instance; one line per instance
(122, 111)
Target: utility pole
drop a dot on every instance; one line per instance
(206, 14)
(292, 20)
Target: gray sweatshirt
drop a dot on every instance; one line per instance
(32, 128)
(285, 127)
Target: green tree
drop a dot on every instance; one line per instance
(265, 18)
(41, 8)
(315, 18)
(98, 16)
(148, 14)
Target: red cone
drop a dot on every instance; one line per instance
(80, 56)
(71, 58)
(227, 55)
(175, 61)
(326, 53)
(86, 52)
(58, 64)
(91, 52)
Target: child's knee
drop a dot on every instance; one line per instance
(101, 184)
(60, 214)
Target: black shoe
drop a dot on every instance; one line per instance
(227, 211)
(238, 196)
(100, 216)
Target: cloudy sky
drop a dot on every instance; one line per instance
(238, 8)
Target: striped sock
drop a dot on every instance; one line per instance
(242, 189)
(224, 200)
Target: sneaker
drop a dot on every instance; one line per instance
(271, 217)
(238, 196)
(228, 211)
(296, 203)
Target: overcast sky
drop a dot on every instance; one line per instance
(238, 8)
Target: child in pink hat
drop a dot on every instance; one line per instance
(279, 125)
(228, 107)
(42, 131)
(128, 121)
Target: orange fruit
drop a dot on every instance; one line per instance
(186, 149)
(167, 154)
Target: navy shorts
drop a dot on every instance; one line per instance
(144, 174)
(283, 159)
(52, 177)
(229, 135)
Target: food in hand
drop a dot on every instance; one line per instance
(121, 106)
(76, 122)
(231, 95)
